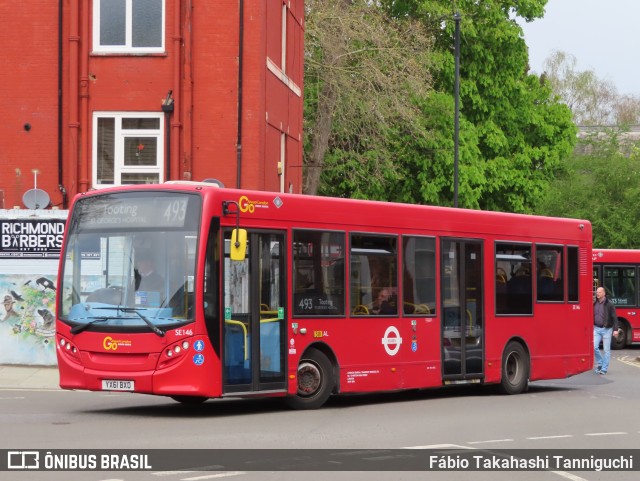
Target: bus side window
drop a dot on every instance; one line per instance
(419, 276)
(318, 273)
(513, 260)
(374, 272)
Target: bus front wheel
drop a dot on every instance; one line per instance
(515, 369)
(315, 381)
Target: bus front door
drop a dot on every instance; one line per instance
(462, 325)
(254, 334)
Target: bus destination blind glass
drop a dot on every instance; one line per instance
(116, 212)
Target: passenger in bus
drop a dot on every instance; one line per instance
(546, 284)
(520, 291)
(605, 324)
(147, 279)
(384, 303)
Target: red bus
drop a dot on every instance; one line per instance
(270, 294)
(617, 271)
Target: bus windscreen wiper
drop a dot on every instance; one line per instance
(146, 320)
(81, 327)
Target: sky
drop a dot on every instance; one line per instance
(603, 36)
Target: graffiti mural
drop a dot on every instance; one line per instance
(27, 319)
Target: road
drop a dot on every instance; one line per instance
(584, 412)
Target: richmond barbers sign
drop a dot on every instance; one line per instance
(28, 238)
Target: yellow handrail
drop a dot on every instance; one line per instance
(418, 308)
(244, 328)
(360, 310)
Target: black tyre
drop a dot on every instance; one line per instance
(190, 399)
(620, 342)
(315, 381)
(515, 369)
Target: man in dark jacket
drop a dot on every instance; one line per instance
(605, 323)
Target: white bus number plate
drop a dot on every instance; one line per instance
(116, 385)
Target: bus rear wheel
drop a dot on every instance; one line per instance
(515, 369)
(315, 381)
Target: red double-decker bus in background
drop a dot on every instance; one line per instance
(617, 271)
(194, 291)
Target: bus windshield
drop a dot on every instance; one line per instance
(129, 261)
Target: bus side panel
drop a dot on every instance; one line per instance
(551, 355)
(388, 354)
(190, 377)
(556, 356)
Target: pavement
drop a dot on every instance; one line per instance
(29, 377)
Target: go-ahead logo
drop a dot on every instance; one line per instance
(111, 344)
(248, 205)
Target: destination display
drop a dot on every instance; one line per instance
(136, 211)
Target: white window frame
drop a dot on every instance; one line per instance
(127, 48)
(283, 46)
(281, 71)
(120, 135)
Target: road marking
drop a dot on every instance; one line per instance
(439, 446)
(570, 476)
(492, 441)
(214, 476)
(605, 434)
(35, 389)
(551, 437)
(630, 361)
(170, 473)
(9, 398)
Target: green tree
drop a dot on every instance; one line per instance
(362, 70)
(523, 130)
(601, 182)
(513, 129)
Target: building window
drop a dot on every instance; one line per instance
(127, 148)
(128, 26)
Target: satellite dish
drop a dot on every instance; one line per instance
(36, 199)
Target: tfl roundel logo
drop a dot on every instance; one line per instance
(392, 340)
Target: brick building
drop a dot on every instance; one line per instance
(108, 92)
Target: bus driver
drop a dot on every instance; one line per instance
(147, 279)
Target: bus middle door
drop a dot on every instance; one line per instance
(254, 334)
(462, 309)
